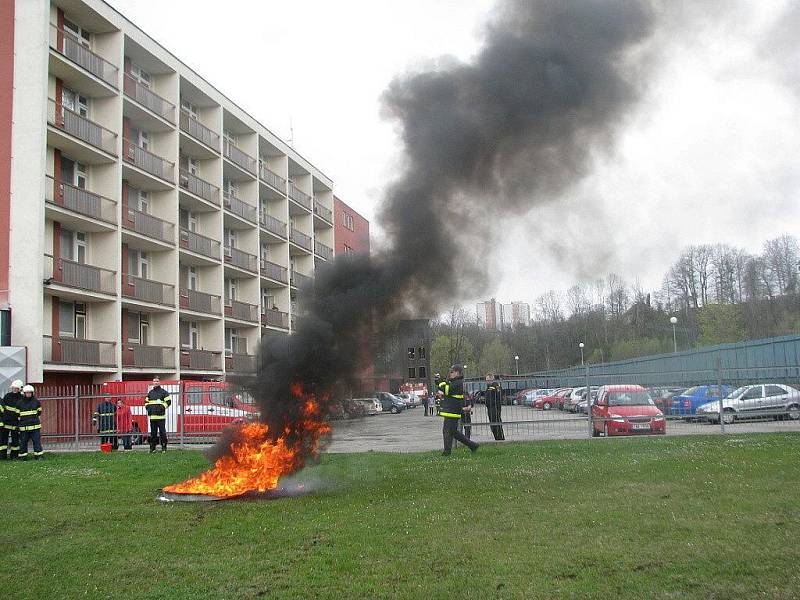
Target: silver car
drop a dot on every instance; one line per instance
(753, 401)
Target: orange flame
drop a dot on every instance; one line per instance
(255, 462)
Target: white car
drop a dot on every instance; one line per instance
(411, 400)
(754, 401)
(372, 405)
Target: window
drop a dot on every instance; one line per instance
(267, 300)
(138, 263)
(348, 251)
(194, 394)
(229, 137)
(72, 320)
(347, 221)
(774, 390)
(421, 353)
(230, 238)
(73, 173)
(139, 200)
(82, 36)
(234, 343)
(231, 290)
(190, 337)
(412, 373)
(411, 353)
(423, 373)
(192, 278)
(752, 393)
(142, 76)
(189, 108)
(75, 102)
(138, 328)
(141, 138)
(73, 245)
(187, 219)
(217, 396)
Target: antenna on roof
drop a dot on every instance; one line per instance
(291, 132)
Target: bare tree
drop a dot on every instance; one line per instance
(701, 257)
(781, 261)
(618, 295)
(577, 300)
(549, 307)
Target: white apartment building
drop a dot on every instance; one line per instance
(489, 315)
(155, 227)
(516, 314)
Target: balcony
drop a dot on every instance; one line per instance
(147, 161)
(323, 212)
(148, 98)
(272, 179)
(240, 208)
(299, 280)
(148, 357)
(273, 271)
(73, 274)
(147, 290)
(201, 360)
(80, 127)
(199, 243)
(243, 260)
(199, 131)
(200, 302)
(69, 46)
(272, 224)
(241, 310)
(300, 238)
(240, 363)
(148, 225)
(301, 198)
(199, 187)
(322, 250)
(80, 201)
(69, 351)
(275, 318)
(237, 157)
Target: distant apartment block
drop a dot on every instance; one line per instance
(490, 315)
(351, 230)
(516, 314)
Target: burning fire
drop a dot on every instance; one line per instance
(255, 461)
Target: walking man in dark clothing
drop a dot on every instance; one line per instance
(494, 405)
(105, 421)
(9, 434)
(452, 392)
(156, 404)
(30, 426)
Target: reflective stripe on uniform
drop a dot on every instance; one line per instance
(10, 427)
(3, 448)
(10, 408)
(108, 431)
(157, 417)
(161, 402)
(30, 427)
(30, 413)
(104, 414)
(457, 396)
(38, 453)
(23, 454)
(451, 415)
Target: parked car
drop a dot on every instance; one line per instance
(663, 397)
(626, 410)
(519, 397)
(754, 401)
(531, 396)
(411, 400)
(576, 395)
(372, 406)
(685, 404)
(390, 403)
(551, 400)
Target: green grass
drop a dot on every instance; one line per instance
(715, 517)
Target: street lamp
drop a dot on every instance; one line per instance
(581, 347)
(465, 371)
(674, 320)
(516, 360)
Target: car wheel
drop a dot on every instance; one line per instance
(728, 416)
(793, 412)
(605, 429)
(546, 406)
(394, 410)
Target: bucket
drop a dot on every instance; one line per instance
(106, 448)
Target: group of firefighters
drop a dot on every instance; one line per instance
(20, 423)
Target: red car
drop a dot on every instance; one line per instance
(551, 401)
(626, 410)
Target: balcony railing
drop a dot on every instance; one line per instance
(200, 244)
(273, 179)
(148, 98)
(322, 250)
(275, 318)
(78, 275)
(200, 302)
(323, 211)
(69, 45)
(272, 224)
(300, 238)
(199, 187)
(148, 290)
(201, 360)
(273, 271)
(241, 363)
(240, 208)
(147, 161)
(70, 351)
(236, 156)
(78, 126)
(241, 259)
(300, 280)
(136, 355)
(80, 201)
(301, 198)
(198, 131)
(241, 310)
(148, 225)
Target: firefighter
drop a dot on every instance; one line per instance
(494, 405)
(10, 418)
(156, 404)
(30, 426)
(105, 421)
(466, 416)
(452, 392)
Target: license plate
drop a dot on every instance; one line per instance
(641, 426)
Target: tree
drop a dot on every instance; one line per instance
(549, 306)
(617, 295)
(496, 357)
(720, 324)
(443, 354)
(781, 259)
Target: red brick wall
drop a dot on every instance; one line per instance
(358, 238)
(6, 97)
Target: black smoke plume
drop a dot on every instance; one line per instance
(515, 126)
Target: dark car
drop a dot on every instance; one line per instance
(686, 403)
(390, 403)
(663, 397)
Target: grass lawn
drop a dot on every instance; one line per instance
(693, 517)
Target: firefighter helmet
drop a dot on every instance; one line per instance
(27, 388)
(17, 383)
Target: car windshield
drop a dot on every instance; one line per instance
(692, 391)
(739, 391)
(633, 398)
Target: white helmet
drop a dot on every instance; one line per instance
(27, 388)
(17, 383)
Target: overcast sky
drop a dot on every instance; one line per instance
(709, 155)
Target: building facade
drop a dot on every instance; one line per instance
(154, 227)
(516, 314)
(351, 230)
(489, 315)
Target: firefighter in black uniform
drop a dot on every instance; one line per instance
(466, 416)
(105, 420)
(30, 426)
(452, 392)
(156, 404)
(437, 393)
(9, 434)
(494, 405)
